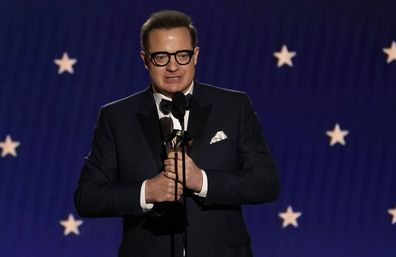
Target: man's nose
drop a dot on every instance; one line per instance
(172, 65)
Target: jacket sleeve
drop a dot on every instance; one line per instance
(99, 192)
(256, 181)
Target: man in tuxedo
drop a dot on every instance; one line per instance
(129, 174)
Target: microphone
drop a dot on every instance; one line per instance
(179, 106)
(166, 125)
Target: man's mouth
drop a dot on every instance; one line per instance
(173, 78)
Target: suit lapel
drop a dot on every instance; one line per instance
(199, 114)
(149, 122)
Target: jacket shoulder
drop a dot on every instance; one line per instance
(220, 91)
(131, 102)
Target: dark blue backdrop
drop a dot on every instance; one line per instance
(339, 75)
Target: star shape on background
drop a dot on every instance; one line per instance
(393, 213)
(391, 52)
(9, 146)
(284, 57)
(289, 217)
(337, 135)
(71, 225)
(65, 64)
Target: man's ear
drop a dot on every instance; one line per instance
(195, 56)
(144, 59)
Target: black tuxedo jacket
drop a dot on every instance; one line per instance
(127, 148)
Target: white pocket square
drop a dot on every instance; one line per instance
(220, 135)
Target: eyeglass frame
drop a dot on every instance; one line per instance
(152, 56)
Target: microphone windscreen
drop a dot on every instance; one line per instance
(179, 104)
(166, 125)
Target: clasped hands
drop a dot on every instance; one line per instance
(161, 188)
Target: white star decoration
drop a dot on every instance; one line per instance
(9, 146)
(284, 57)
(337, 135)
(65, 64)
(391, 52)
(393, 213)
(71, 225)
(289, 217)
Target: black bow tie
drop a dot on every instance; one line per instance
(166, 105)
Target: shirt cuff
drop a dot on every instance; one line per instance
(145, 206)
(204, 189)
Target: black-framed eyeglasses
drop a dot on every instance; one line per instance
(162, 58)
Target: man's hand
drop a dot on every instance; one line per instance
(193, 174)
(162, 189)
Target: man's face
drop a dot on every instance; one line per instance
(172, 77)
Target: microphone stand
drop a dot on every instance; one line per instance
(183, 145)
(179, 104)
